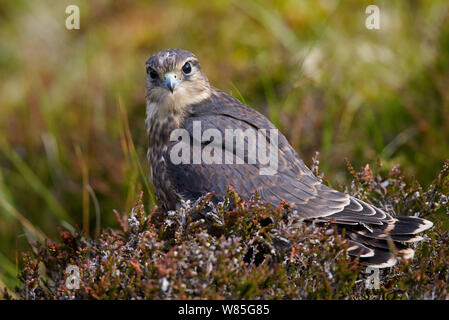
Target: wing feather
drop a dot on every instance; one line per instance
(371, 227)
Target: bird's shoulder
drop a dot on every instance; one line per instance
(222, 104)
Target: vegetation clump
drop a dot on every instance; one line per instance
(243, 250)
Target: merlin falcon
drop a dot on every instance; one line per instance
(179, 97)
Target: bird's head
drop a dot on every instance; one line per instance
(175, 80)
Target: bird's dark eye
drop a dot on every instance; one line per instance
(187, 68)
(152, 73)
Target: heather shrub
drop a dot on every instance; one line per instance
(241, 249)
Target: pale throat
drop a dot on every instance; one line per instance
(162, 105)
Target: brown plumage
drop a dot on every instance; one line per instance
(179, 93)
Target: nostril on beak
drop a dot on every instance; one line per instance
(170, 81)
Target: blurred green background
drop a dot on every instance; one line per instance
(72, 108)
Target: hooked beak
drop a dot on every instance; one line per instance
(171, 81)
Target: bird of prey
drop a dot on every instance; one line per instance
(179, 96)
